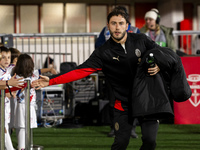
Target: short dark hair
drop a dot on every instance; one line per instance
(4, 49)
(119, 10)
(48, 61)
(122, 8)
(24, 66)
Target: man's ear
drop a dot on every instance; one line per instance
(127, 26)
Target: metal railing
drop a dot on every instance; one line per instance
(187, 41)
(77, 47)
(2, 119)
(28, 136)
(61, 47)
(27, 116)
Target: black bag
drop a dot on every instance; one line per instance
(67, 66)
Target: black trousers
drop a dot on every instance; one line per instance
(110, 96)
(123, 125)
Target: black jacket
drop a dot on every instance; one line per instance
(153, 94)
(118, 65)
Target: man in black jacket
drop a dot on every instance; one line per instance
(103, 37)
(118, 58)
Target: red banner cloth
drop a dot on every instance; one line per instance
(188, 112)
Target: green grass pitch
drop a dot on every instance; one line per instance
(170, 137)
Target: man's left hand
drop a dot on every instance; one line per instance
(154, 70)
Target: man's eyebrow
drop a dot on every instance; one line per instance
(117, 22)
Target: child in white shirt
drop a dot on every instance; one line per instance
(25, 68)
(5, 75)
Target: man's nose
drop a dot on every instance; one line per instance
(117, 26)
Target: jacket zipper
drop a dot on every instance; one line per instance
(123, 46)
(125, 51)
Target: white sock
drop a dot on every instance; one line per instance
(21, 138)
(8, 142)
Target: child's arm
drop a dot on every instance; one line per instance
(2, 87)
(12, 82)
(15, 82)
(44, 70)
(14, 94)
(8, 95)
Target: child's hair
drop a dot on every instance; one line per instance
(1, 44)
(24, 66)
(14, 53)
(4, 49)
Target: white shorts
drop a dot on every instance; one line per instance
(19, 120)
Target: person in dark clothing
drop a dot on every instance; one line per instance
(49, 62)
(103, 37)
(119, 58)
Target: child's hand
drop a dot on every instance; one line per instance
(15, 82)
(14, 94)
(8, 95)
(53, 71)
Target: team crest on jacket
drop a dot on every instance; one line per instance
(195, 86)
(137, 52)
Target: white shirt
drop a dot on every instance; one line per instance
(20, 95)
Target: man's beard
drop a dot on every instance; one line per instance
(119, 38)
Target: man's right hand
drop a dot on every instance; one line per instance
(40, 83)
